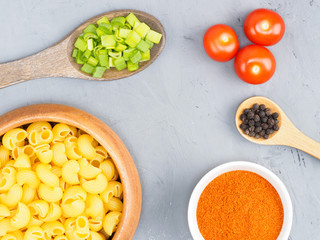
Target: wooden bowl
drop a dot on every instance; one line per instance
(106, 137)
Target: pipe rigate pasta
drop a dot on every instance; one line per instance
(56, 182)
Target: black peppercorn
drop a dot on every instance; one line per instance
(276, 127)
(266, 136)
(246, 111)
(275, 115)
(246, 131)
(257, 136)
(262, 133)
(252, 134)
(258, 129)
(262, 107)
(255, 106)
(264, 126)
(243, 126)
(251, 129)
(250, 115)
(262, 114)
(257, 124)
(271, 121)
(269, 131)
(264, 119)
(256, 118)
(268, 112)
(251, 122)
(243, 117)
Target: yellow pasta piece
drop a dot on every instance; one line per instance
(74, 193)
(70, 172)
(45, 155)
(12, 197)
(85, 146)
(96, 236)
(101, 152)
(22, 216)
(46, 176)
(114, 204)
(52, 229)
(73, 208)
(57, 171)
(88, 171)
(8, 178)
(97, 185)
(13, 137)
(38, 126)
(5, 227)
(59, 154)
(28, 177)
(34, 221)
(39, 208)
(73, 131)
(54, 213)
(22, 161)
(114, 188)
(50, 194)
(60, 131)
(34, 233)
(4, 211)
(15, 235)
(94, 205)
(28, 150)
(44, 137)
(111, 222)
(61, 237)
(73, 152)
(28, 194)
(108, 169)
(4, 156)
(82, 227)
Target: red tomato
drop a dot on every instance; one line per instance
(264, 27)
(254, 64)
(221, 43)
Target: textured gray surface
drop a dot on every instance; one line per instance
(177, 116)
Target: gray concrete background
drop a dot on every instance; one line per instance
(177, 116)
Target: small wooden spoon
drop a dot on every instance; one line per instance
(56, 61)
(287, 135)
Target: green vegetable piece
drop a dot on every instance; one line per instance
(81, 44)
(120, 47)
(123, 33)
(79, 58)
(108, 41)
(127, 53)
(104, 28)
(135, 56)
(75, 53)
(150, 43)
(98, 72)
(87, 36)
(103, 60)
(136, 24)
(142, 29)
(90, 44)
(97, 49)
(93, 61)
(143, 46)
(111, 62)
(87, 68)
(120, 64)
(133, 39)
(103, 20)
(127, 26)
(145, 56)
(118, 21)
(91, 28)
(86, 55)
(115, 54)
(132, 66)
(154, 36)
(132, 19)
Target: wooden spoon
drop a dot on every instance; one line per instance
(287, 135)
(56, 61)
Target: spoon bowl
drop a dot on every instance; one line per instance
(287, 134)
(57, 61)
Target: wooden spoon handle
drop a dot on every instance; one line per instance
(51, 62)
(300, 141)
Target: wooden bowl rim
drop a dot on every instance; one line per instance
(132, 196)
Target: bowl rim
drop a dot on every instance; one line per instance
(247, 166)
(132, 196)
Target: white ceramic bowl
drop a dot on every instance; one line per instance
(247, 166)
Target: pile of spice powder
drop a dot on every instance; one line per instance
(240, 205)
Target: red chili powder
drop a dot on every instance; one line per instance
(240, 205)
